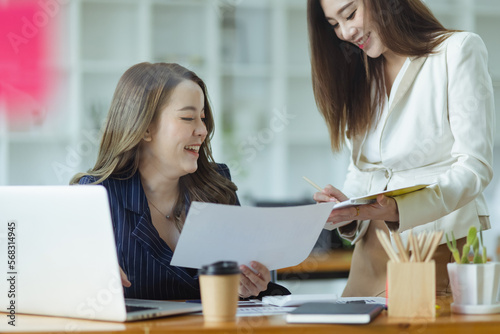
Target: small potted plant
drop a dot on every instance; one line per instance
(474, 283)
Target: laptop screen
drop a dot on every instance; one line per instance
(62, 252)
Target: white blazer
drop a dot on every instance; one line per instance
(439, 129)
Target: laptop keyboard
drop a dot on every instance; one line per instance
(132, 308)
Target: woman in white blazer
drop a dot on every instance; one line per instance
(414, 102)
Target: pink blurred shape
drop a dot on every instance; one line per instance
(25, 79)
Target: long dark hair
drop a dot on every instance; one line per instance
(142, 92)
(343, 75)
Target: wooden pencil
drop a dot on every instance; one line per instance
(437, 238)
(401, 249)
(386, 244)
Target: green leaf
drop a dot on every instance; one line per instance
(477, 257)
(475, 245)
(453, 249)
(471, 236)
(448, 243)
(456, 255)
(465, 254)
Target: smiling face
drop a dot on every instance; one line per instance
(351, 22)
(172, 144)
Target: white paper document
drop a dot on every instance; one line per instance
(298, 299)
(277, 237)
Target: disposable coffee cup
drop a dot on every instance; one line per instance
(219, 284)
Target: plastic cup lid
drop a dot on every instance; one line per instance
(220, 268)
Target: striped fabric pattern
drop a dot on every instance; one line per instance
(142, 254)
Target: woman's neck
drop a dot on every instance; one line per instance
(161, 193)
(393, 61)
(157, 185)
(393, 64)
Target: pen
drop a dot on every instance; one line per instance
(314, 185)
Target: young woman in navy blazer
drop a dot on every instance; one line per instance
(414, 101)
(154, 159)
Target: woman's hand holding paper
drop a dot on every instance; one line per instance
(254, 281)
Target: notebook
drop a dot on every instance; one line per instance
(333, 313)
(61, 258)
(372, 198)
(299, 299)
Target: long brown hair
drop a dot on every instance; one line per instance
(342, 74)
(142, 93)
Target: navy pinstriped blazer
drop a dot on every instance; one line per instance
(142, 254)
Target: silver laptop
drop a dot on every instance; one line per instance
(58, 254)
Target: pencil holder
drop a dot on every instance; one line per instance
(411, 289)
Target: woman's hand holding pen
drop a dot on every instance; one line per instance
(331, 194)
(385, 208)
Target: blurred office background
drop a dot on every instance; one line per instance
(253, 56)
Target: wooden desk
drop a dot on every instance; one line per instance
(444, 323)
(326, 264)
